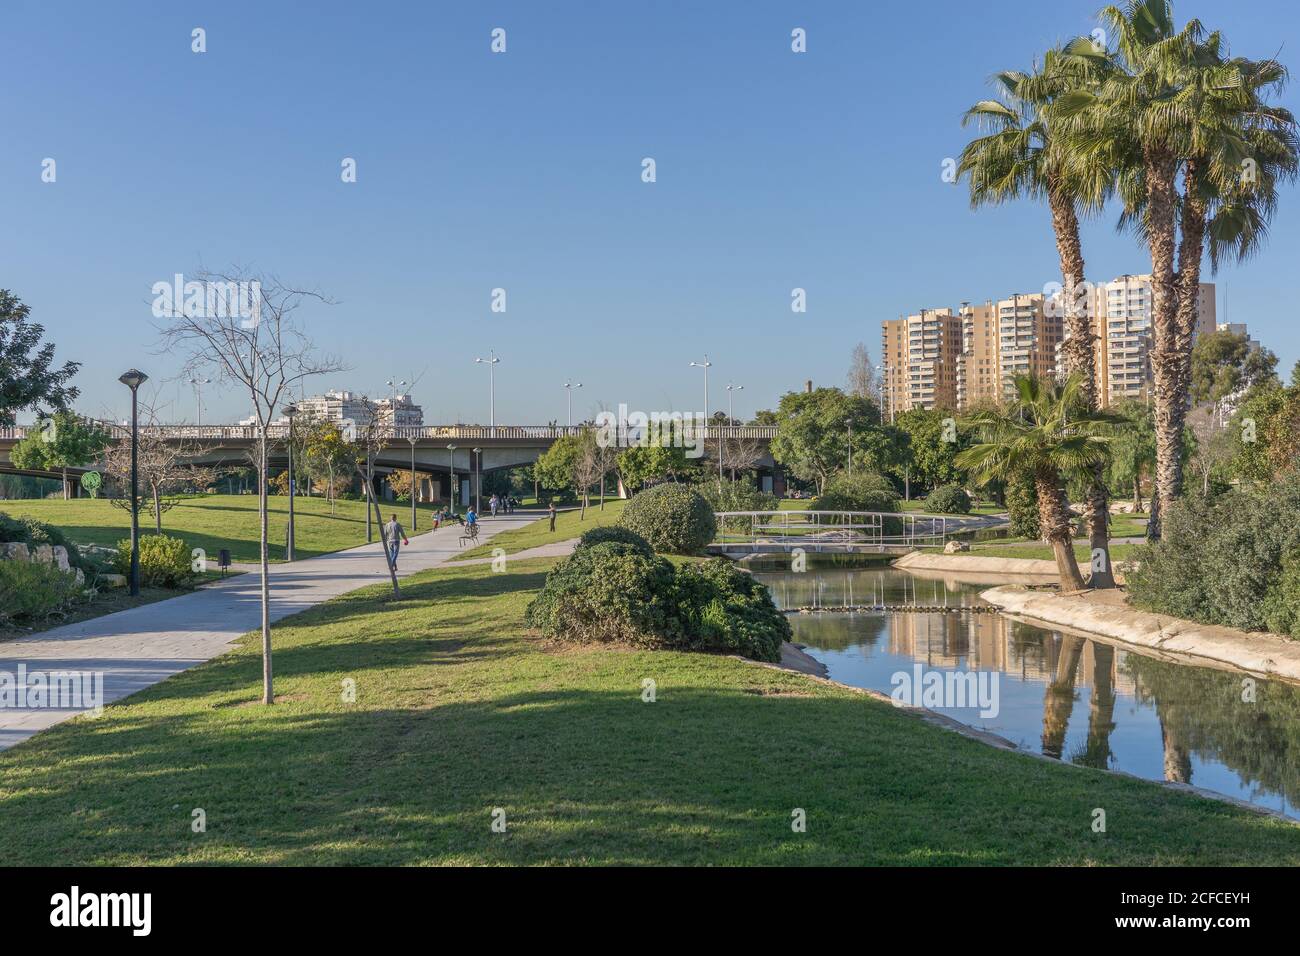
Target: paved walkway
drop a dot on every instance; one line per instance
(144, 645)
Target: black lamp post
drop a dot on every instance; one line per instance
(133, 379)
(290, 410)
(451, 464)
(413, 482)
(478, 481)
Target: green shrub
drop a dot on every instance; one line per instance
(34, 533)
(600, 535)
(164, 561)
(613, 592)
(739, 495)
(673, 517)
(860, 491)
(31, 590)
(1022, 507)
(948, 500)
(1225, 560)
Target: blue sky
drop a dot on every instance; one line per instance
(523, 171)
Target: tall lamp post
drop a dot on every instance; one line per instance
(491, 363)
(478, 480)
(289, 411)
(451, 466)
(133, 379)
(413, 484)
(198, 384)
(568, 388)
(732, 388)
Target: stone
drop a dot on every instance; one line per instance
(955, 547)
(61, 558)
(15, 551)
(44, 554)
(112, 580)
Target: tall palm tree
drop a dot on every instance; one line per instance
(1019, 156)
(1174, 107)
(1050, 433)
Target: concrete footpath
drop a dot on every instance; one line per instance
(144, 645)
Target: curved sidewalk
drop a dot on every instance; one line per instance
(144, 645)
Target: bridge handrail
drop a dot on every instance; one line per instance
(917, 529)
(395, 433)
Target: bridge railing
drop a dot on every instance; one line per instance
(830, 530)
(398, 432)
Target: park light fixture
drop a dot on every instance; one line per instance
(133, 379)
(568, 388)
(491, 363)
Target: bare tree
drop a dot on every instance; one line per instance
(369, 433)
(165, 468)
(590, 465)
(861, 377)
(241, 327)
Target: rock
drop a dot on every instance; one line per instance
(15, 551)
(112, 580)
(44, 553)
(61, 558)
(955, 547)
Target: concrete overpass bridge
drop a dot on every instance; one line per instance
(501, 447)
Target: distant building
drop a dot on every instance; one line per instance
(921, 353)
(340, 406)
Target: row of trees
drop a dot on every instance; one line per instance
(1184, 137)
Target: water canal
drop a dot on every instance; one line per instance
(1073, 699)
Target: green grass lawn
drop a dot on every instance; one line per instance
(568, 524)
(213, 522)
(458, 712)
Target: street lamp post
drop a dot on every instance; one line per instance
(732, 388)
(568, 388)
(290, 410)
(413, 485)
(491, 363)
(451, 466)
(198, 384)
(706, 365)
(133, 379)
(478, 480)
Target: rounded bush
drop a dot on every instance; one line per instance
(31, 590)
(615, 592)
(948, 500)
(164, 561)
(593, 536)
(673, 518)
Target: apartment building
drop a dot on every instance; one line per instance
(340, 406)
(1028, 334)
(921, 354)
(978, 378)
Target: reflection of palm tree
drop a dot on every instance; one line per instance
(1101, 709)
(1178, 760)
(1058, 701)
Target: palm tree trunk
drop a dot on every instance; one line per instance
(1055, 526)
(1058, 700)
(1137, 493)
(1078, 354)
(1169, 402)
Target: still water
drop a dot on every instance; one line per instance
(1073, 699)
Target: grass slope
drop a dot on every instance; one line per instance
(459, 712)
(568, 524)
(213, 522)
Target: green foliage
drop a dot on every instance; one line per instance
(31, 590)
(554, 468)
(948, 499)
(932, 442)
(32, 532)
(594, 536)
(1223, 363)
(739, 495)
(642, 464)
(1282, 602)
(813, 442)
(1133, 451)
(859, 491)
(1266, 433)
(63, 440)
(164, 561)
(1228, 559)
(615, 592)
(673, 517)
(1022, 506)
(27, 375)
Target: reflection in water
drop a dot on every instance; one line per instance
(1061, 695)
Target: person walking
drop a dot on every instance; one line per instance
(493, 503)
(394, 533)
(550, 509)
